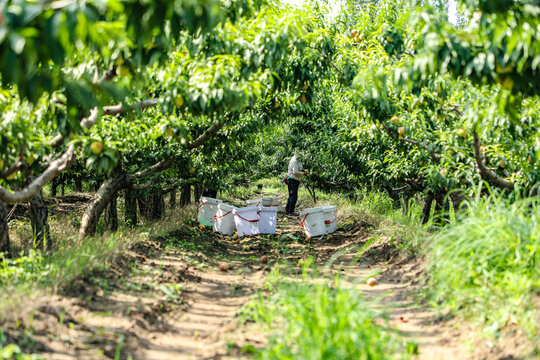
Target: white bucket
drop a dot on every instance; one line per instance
(330, 218)
(207, 210)
(247, 220)
(267, 201)
(268, 222)
(256, 202)
(277, 202)
(313, 221)
(224, 219)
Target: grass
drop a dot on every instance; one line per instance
(485, 266)
(34, 273)
(313, 320)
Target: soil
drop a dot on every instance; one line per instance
(168, 299)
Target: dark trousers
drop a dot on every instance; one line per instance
(293, 185)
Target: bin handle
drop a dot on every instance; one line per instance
(327, 222)
(219, 217)
(243, 218)
(304, 219)
(201, 205)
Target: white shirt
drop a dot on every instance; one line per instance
(296, 170)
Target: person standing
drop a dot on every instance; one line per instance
(294, 175)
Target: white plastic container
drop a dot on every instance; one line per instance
(277, 202)
(224, 219)
(267, 201)
(330, 218)
(268, 222)
(247, 220)
(255, 202)
(313, 221)
(207, 210)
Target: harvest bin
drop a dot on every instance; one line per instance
(207, 210)
(247, 220)
(268, 220)
(330, 218)
(273, 201)
(313, 221)
(224, 219)
(319, 220)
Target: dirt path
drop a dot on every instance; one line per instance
(212, 302)
(168, 299)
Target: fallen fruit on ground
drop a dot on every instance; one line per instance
(245, 247)
(223, 266)
(404, 318)
(264, 259)
(371, 282)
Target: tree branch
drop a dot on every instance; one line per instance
(56, 167)
(157, 167)
(485, 172)
(107, 110)
(410, 141)
(206, 135)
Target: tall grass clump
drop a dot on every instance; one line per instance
(311, 321)
(487, 264)
(34, 273)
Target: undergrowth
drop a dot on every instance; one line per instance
(34, 273)
(486, 265)
(313, 320)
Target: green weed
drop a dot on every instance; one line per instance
(307, 320)
(486, 264)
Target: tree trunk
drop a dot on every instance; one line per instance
(99, 202)
(172, 199)
(78, 184)
(4, 230)
(155, 204)
(426, 209)
(198, 191)
(111, 215)
(141, 202)
(130, 204)
(63, 186)
(54, 185)
(39, 213)
(185, 195)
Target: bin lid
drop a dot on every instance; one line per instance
(269, 209)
